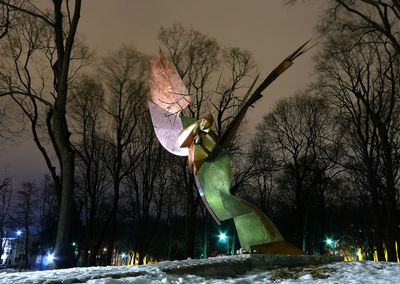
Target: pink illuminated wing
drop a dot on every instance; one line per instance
(167, 127)
(166, 86)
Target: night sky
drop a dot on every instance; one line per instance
(267, 28)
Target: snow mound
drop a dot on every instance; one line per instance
(176, 272)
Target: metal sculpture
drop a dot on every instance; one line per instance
(208, 156)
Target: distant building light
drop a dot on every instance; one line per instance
(50, 257)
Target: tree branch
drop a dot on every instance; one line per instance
(23, 10)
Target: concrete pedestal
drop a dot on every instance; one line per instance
(231, 266)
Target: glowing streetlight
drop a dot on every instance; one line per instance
(332, 244)
(50, 257)
(223, 237)
(19, 233)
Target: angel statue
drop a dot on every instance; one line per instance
(208, 156)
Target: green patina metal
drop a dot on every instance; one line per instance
(186, 121)
(215, 180)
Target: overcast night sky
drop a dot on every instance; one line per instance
(267, 28)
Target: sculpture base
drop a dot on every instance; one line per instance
(234, 265)
(281, 247)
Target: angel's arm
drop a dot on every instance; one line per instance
(230, 132)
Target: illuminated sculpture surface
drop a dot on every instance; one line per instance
(207, 154)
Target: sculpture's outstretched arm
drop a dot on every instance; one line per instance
(230, 132)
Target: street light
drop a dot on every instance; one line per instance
(332, 244)
(50, 257)
(19, 233)
(223, 237)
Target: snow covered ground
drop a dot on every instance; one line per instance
(168, 272)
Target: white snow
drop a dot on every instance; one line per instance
(339, 272)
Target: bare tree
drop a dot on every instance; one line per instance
(24, 211)
(47, 213)
(297, 132)
(5, 20)
(239, 65)
(382, 17)
(363, 16)
(369, 31)
(125, 73)
(362, 77)
(145, 186)
(261, 174)
(55, 34)
(92, 178)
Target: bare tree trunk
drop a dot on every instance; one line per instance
(26, 247)
(63, 252)
(190, 226)
(205, 235)
(93, 253)
(63, 33)
(305, 231)
(391, 211)
(300, 213)
(113, 223)
(92, 246)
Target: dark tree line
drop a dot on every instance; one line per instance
(357, 153)
(323, 163)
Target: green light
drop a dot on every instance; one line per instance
(222, 237)
(329, 241)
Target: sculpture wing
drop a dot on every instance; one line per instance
(167, 127)
(170, 97)
(166, 86)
